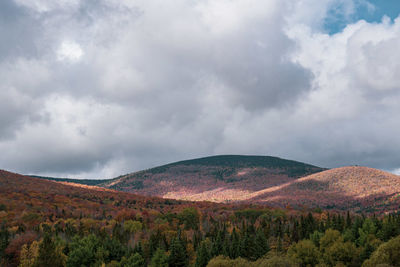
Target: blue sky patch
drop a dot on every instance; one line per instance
(370, 11)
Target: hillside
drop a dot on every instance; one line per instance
(217, 178)
(48, 223)
(263, 180)
(28, 200)
(354, 188)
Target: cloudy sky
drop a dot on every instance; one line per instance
(96, 89)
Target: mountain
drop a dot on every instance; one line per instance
(218, 178)
(348, 188)
(263, 180)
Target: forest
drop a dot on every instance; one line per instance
(249, 237)
(44, 223)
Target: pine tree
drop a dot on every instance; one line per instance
(217, 245)
(154, 242)
(234, 249)
(178, 255)
(160, 259)
(261, 245)
(247, 246)
(138, 248)
(4, 240)
(203, 256)
(295, 232)
(348, 220)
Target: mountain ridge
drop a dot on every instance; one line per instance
(263, 180)
(230, 176)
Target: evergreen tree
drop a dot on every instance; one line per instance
(348, 220)
(217, 245)
(138, 248)
(4, 240)
(203, 256)
(160, 259)
(295, 232)
(261, 245)
(234, 249)
(114, 250)
(178, 255)
(154, 242)
(247, 247)
(86, 251)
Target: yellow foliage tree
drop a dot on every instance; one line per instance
(29, 254)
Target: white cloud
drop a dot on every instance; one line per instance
(159, 81)
(41, 6)
(69, 51)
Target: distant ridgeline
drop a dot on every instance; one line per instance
(76, 181)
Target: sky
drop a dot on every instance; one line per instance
(96, 89)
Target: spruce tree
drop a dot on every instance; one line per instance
(160, 259)
(261, 244)
(217, 245)
(178, 255)
(4, 241)
(234, 249)
(348, 220)
(138, 248)
(203, 256)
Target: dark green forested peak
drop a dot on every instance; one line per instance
(243, 161)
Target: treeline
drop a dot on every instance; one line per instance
(191, 237)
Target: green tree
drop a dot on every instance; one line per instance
(178, 255)
(132, 227)
(223, 261)
(135, 260)
(190, 217)
(114, 250)
(4, 241)
(49, 254)
(367, 231)
(387, 253)
(275, 260)
(316, 237)
(159, 259)
(86, 251)
(329, 238)
(342, 253)
(305, 253)
(234, 248)
(261, 244)
(203, 255)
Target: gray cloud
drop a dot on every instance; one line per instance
(97, 90)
